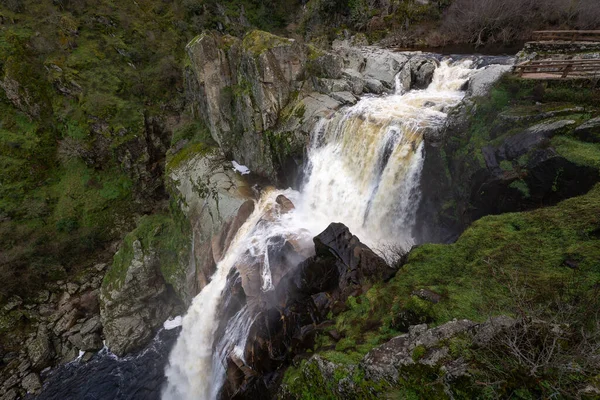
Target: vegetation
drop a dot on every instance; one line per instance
(535, 266)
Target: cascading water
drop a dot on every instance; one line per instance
(363, 170)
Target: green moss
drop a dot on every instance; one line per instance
(580, 153)
(506, 165)
(159, 233)
(521, 186)
(418, 353)
(176, 160)
(472, 273)
(257, 42)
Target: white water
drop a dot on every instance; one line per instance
(363, 170)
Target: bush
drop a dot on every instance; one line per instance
(489, 21)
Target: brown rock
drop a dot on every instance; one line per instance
(285, 203)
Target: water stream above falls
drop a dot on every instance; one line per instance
(363, 170)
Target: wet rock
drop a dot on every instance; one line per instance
(31, 383)
(221, 241)
(417, 73)
(285, 203)
(356, 263)
(136, 305)
(589, 131)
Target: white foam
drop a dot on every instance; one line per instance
(242, 169)
(172, 323)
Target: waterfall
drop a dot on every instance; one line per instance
(363, 170)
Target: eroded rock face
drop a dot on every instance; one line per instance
(417, 73)
(241, 88)
(289, 316)
(133, 308)
(261, 96)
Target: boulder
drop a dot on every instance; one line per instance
(589, 131)
(40, 349)
(86, 342)
(285, 204)
(31, 383)
(385, 361)
(417, 73)
(356, 263)
(382, 65)
(481, 82)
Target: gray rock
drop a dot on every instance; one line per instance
(134, 307)
(493, 326)
(42, 297)
(328, 65)
(481, 82)
(92, 325)
(374, 86)
(355, 79)
(40, 349)
(72, 288)
(589, 131)
(89, 342)
(100, 267)
(535, 136)
(10, 395)
(31, 383)
(428, 295)
(65, 322)
(10, 382)
(24, 366)
(384, 362)
(239, 88)
(327, 86)
(344, 97)
(383, 65)
(13, 303)
(417, 73)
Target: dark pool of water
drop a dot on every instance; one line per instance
(107, 377)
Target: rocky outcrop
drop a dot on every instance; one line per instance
(417, 73)
(509, 163)
(261, 96)
(289, 316)
(239, 88)
(399, 362)
(589, 131)
(136, 303)
(66, 320)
